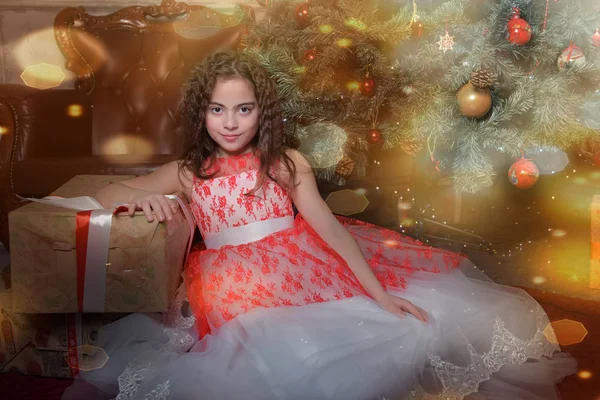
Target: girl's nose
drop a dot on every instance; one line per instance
(230, 122)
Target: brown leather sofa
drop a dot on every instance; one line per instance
(121, 117)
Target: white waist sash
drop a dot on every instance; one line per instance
(248, 233)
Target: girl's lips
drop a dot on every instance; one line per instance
(230, 138)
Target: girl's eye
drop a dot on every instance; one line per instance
(216, 109)
(245, 110)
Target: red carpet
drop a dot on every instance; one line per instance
(587, 353)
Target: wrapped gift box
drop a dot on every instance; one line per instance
(145, 259)
(12, 337)
(54, 345)
(595, 243)
(58, 346)
(56, 363)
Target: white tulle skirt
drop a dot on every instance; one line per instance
(483, 341)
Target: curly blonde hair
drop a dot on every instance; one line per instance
(199, 149)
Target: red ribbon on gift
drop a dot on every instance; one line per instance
(81, 239)
(73, 351)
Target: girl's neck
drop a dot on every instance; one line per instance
(223, 154)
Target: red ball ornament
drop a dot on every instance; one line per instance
(519, 30)
(301, 15)
(523, 173)
(367, 87)
(417, 29)
(596, 38)
(310, 55)
(374, 136)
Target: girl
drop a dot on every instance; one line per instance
(312, 307)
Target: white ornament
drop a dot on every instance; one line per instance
(572, 55)
(446, 42)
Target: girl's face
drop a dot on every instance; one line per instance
(232, 115)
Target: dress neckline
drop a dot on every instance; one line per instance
(236, 156)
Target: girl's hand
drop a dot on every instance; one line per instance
(400, 306)
(163, 207)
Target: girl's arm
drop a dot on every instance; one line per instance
(147, 192)
(313, 209)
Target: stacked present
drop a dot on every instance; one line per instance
(12, 338)
(76, 267)
(54, 345)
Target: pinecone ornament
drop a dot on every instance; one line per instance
(482, 79)
(345, 166)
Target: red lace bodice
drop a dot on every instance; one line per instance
(221, 202)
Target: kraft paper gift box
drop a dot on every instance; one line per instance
(595, 243)
(59, 345)
(53, 345)
(54, 262)
(12, 337)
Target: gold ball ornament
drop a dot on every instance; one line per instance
(571, 56)
(473, 102)
(474, 98)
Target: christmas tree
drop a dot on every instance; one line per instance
(463, 79)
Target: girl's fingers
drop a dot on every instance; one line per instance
(147, 211)
(166, 208)
(411, 308)
(157, 207)
(131, 209)
(174, 205)
(424, 314)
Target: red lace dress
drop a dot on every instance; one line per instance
(291, 267)
(483, 340)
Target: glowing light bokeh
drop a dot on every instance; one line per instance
(322, 144)
(404, 205)
(356, 24)
(538, 280)
(347, 202)
(584, 374)
(36, 47)
(43, 76)
(344, 42)
(558, 233)
(353, 86)
(326, 28)
(549, 160)
(75, 110)
(3, 130)
(204, 23)
(565, 332)
(128, 144)
(407, 223)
